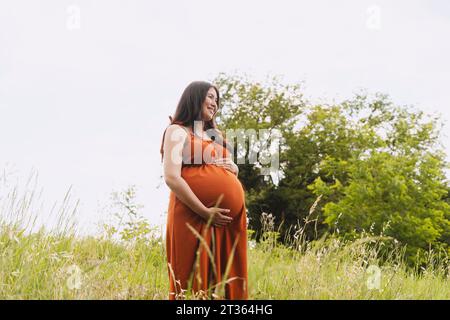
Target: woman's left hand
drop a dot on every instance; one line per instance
(228, 164)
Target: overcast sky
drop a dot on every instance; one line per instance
(86, 87)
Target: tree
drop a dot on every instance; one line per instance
(399, 195)
(397, 178)
(254, 105)
(374, 163)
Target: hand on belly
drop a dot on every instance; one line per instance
(209, 182)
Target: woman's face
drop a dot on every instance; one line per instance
(209, 107)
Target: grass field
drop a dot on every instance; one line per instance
(127, 261)
(45, 266)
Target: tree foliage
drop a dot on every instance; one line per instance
(379, 166)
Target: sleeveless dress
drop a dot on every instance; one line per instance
(200, 266)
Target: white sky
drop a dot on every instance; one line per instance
(87, 106)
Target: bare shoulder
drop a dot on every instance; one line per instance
(176, 131)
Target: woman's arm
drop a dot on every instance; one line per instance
(173, 156)
(172, 160)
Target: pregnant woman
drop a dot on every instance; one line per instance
(206, 237)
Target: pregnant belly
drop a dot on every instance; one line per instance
(208, 182)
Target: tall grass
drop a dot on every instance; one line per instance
(127, 260)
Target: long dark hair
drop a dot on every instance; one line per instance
(189, 109)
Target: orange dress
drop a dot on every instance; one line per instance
(200, 266)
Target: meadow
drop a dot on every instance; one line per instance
(126, 260)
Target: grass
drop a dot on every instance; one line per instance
(41, 266)
(126, 260)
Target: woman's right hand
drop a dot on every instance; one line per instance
(218, 216)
